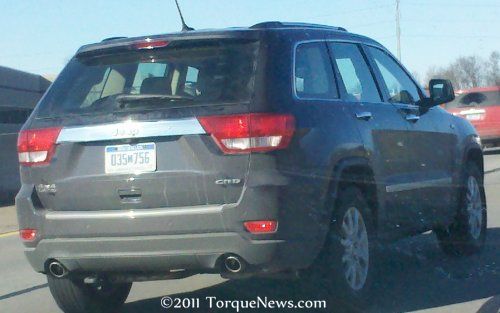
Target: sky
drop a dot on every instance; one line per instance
(40, 36)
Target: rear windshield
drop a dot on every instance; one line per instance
(475, 99)
(204, 72)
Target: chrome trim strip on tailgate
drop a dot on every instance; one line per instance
(132, 214)
(131, 129)
(441, 182)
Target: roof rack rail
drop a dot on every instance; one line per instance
(113, 38)
(276, 24)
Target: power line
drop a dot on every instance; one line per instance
(454, 4)
(441, 21)
(450, 36)
(384, 37)
(351, 11)
(369, 24)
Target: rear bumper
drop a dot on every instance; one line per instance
(488, 132)
(158, 240)
(197, 252)
(490, 141)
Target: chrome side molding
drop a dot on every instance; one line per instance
(441, 182)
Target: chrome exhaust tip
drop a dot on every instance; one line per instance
(57, 270)
(233, 264)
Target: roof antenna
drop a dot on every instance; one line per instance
(185, 28)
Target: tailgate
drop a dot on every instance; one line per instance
(120, 128)
(170, 163)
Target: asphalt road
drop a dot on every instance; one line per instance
(416, 277)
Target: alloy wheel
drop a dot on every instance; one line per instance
(474, 207)
(356, 256)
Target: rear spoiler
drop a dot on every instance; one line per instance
(128, 44)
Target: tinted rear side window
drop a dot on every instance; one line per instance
(205, 72)
(475, 99)
(313, 72)
(356, 76)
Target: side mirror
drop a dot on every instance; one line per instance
(441, 91)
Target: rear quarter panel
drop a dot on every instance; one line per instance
(325, 135)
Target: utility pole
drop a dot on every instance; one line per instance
(398, 28)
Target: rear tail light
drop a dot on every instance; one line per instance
(28, 234)
(261, 227)
(254, 132)
(37, 146)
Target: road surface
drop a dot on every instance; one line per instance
(416, 276)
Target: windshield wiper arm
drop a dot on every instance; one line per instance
(143, 101)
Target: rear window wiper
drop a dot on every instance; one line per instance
(134, 101)
(149, 97)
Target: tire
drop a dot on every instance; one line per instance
(467, 234)
(346, 266)
(74, 296)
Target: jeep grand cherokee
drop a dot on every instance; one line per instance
(243, 151)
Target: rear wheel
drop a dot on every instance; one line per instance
(467, 234)
(347, 262)
(74, 296)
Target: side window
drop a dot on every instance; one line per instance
(313, 72)
(400, 86)
(356, 76)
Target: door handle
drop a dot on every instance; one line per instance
(364, 116)
(412, 118)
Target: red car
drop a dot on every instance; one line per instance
(481, 106)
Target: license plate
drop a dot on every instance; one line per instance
(473, 117)
(130, 158)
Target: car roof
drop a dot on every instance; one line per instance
(252, 32)
(479, 89)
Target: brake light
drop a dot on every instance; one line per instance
(149, 44)
(37, 146)
(254, 132)
(261, 227)
(27, 234)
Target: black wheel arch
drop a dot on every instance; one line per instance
(354, 171)
(474, 153)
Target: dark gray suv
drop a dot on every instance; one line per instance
(243, 151)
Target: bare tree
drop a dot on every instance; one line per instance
(448, 72)
(452, 73)
(433, 72)
(493, 69)
(469, 71)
